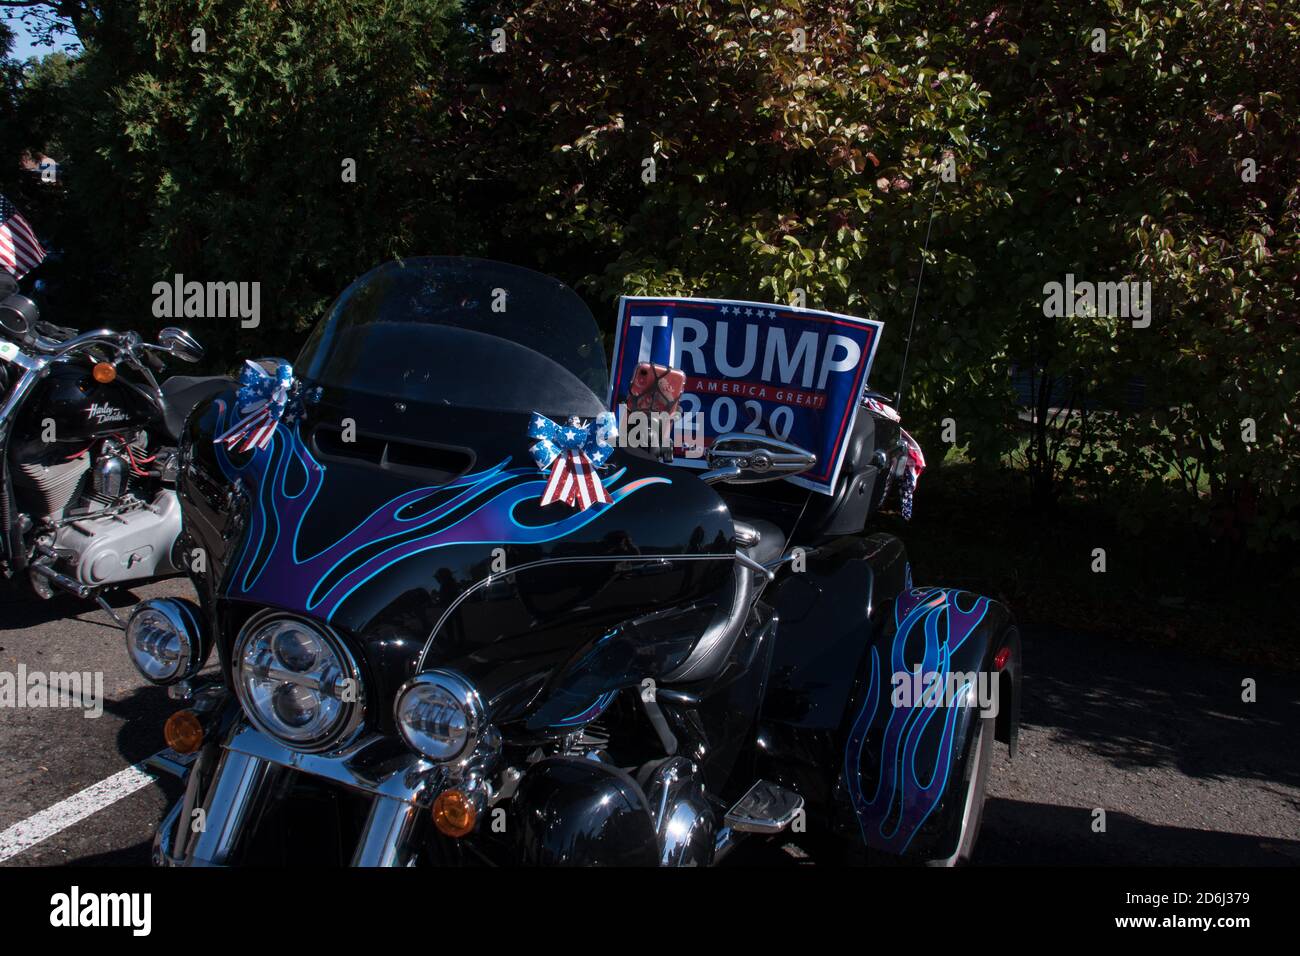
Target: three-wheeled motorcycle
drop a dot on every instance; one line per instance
(432, 650)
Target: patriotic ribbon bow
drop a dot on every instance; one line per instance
(261, 402)
(905, 471)
(572, 452)
(906, 461)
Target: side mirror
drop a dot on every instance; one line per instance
(180, 344)
(742, 459)
(18, 314)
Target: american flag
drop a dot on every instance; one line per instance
(20, 251)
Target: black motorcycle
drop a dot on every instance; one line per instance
(87, 451)
(431, 654)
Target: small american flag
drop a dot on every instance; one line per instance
(20, 251)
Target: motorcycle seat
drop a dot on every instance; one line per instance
(182, 392)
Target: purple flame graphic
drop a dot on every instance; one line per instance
(278, 575)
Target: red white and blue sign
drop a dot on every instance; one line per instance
(793, 374)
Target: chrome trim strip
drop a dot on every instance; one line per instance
(484, 582)
(163, 839)
(389, 835)
(369, 766)
(239, 790)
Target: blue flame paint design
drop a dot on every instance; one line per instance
(477, 508)
(915, 760)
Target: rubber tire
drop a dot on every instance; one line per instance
(973, 806)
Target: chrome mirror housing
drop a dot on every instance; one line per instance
(180, 344)
(18, 314)
(742, 458)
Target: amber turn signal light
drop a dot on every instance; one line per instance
(454, 813)
(104, 372)
(183, 732)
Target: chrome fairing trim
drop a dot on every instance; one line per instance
(371, 765)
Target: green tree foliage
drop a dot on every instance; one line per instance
(757, 149)
(211, 139)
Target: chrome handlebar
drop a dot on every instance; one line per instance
(100, 336)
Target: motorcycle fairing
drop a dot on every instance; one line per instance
(284, 480)
(405, 566)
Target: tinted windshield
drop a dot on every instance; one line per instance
(464, 332)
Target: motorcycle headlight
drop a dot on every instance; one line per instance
(440, 714)
(297, 682)
(165, 640)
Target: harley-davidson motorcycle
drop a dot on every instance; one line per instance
(433, 651)
(87, 451)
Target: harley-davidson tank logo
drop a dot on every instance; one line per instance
(103, 413)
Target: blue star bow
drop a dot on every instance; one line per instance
(257, 385)
(589, 438)
(261, 401)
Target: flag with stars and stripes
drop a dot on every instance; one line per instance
(20, 251)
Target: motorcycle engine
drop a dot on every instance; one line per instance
(56, 482)
(111, 471)
(47, 485)
(108, 522)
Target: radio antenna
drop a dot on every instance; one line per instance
(916, 301)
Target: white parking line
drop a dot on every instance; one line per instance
(25, 834)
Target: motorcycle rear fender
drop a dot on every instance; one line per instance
(916, 714)
(850, 623)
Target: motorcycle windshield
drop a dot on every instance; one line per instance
(462, 332)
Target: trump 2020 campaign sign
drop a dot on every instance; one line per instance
(793, 374)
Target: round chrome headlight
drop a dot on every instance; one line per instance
(440, 715)
(297, 682)
(164, 640)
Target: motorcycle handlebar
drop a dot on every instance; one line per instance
(103, 336)
(48, 346)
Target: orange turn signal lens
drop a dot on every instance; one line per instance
(454, 813)
(183, 732)
(104, 372)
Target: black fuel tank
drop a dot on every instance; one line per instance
(81, 408)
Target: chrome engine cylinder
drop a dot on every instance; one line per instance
(109, 476)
